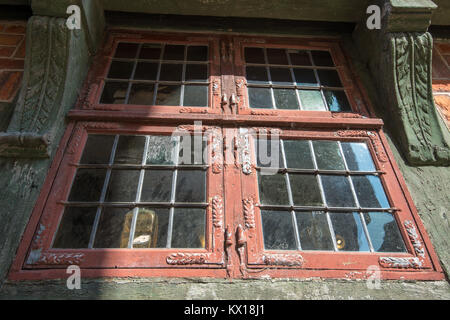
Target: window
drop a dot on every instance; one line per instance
(224, 157)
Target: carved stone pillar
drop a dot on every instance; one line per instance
(399, 58)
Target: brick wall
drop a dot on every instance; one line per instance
(441, 79)
(12, 54)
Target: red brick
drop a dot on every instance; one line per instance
(18, 29)
(6, 51)
(10, 40)
(444, 48)
(20, 53)
(10, 64)
(441, 86)
(9, 83)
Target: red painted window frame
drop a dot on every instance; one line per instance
(234, 249)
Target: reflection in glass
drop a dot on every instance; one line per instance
(130, 150)
(299, 57)
(168, 95)
(358, 156)
(337, 191)
(329, 78)
(114, 227)
(157, 186)
(272, 189)
(141, 94)
(281, 75)
(349, 232)
(384, 232)
(150, 51)
(298, 154)
(305, 190)
(75, 228)
(337, 101)
(322, 58)
(268, 153)
(314, 231)
(122, 186)
(312, 100)
(196, 96)
(114, 92)
(277, 56)
(370, 192)
(126, 50)
(188, 228)
(278, 230)
(146, 71)
(257, 74)
(197, 53)
(161, 150)
(254, 55)
(285, 98)
(173, 52)
(196, 72)
(260, 98)
(151, 228)
(191, 186)
(328, 155)
(171, 72)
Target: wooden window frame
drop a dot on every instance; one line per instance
(234, 238)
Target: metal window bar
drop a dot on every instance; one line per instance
(103, 194)
(318, 81)
(127, 95)
(173, 191)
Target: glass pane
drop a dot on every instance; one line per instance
(114, 228)
(171, 72)
(328, 155)
(329, 78)
(305, 190)
(174, 52)
(260, 98)
(196, 72)
(126, 50)
(277, 56)
(141, 94)
(98, 149)
(192, 150)
(188, 228)
(257, 74)
(168, 95)
(358, 156)
(370, 192)
(122, 186)
(281, 75)
(146, 71)
(120, 70)
(272, 189)
(312, 100)
(285, 98)
(337, 191)
(278, 230)
(75, 228)
(337, 101)
(322, 58)
(130, 150)
(191, 186)
(384, 232)
(349, 232)
(196, 96)
(298, 154)
(87, 185)
(151, 228)
(305, 77)
(161, 150)
(299, 57)
(150, 51)
(157, 186)
(114, 93)
(254, 55)
(268, 153)
(197, 53)
(314, 231)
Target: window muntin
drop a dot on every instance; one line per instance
(153, 193)
(293, 79)
(158, 74)
(324, 194)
